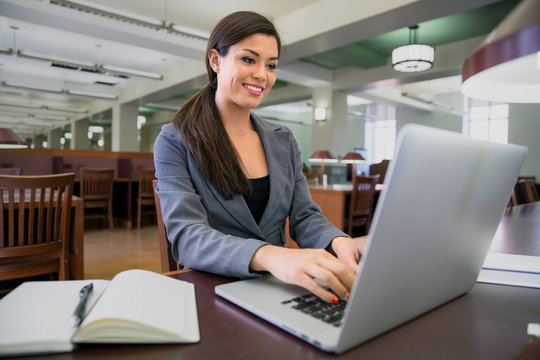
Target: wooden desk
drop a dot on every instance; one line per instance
(334, 201)
(490, 322)
(519, 231)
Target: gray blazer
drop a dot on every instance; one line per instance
(220, 236)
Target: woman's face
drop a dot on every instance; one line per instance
(247, 73)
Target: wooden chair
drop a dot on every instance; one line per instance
(10, 171)
(528, 192)
(146, 192)
(513, 200)
(96, 190)
(168, 263)
(35, 225)
(361, 205)
(379, 169)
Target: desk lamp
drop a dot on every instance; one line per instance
(322, 157)
(353, 158)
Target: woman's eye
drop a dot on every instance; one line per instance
(248, 60)
(272, 66)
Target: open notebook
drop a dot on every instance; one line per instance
(136, 306)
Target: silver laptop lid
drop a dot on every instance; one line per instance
(443, 200)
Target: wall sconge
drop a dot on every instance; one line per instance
(320, 113)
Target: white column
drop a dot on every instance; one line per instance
(124, 127)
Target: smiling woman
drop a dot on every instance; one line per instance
(229, 180)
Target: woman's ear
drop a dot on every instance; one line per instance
(213, 60)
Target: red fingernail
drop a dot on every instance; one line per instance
(334, 300)
(347, 296)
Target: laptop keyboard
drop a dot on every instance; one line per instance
(313, 306)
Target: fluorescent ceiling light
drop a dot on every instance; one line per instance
(32, 87)
(5, 50)
(44, 107)
(33, 55)
(72, 110)
(93, 94)
(190, 32)
(115, 12)
(122, 70)
(24, 106)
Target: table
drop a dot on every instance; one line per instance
(334, 201)
(489, 322)
(519, 231)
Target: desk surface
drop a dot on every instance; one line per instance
(519, 231)
(489, 322)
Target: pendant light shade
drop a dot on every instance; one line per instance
(506, 66)
(10, 140)
(413, 57)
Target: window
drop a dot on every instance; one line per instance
(380, 140)
(489, 122)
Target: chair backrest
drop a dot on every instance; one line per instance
(380, 169)
(362, 199)
(146, 175)
(527, 189)
(10, 171)
(96, 184)
(167, 260)
(34, 226)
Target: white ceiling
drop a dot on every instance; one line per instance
(41, 26)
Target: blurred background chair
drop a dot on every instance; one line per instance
(379, 169)
(10, 171)
(96, 190)
(362, 204)
(146, 192)
(168, 263)
(527, 191)
(34, 227)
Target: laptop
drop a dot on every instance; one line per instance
(443, 199)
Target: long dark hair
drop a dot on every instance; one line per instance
(198, 119)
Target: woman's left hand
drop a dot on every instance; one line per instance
(349, 250)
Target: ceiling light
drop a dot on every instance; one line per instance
(105, 10)
(93, 94)
(190, 32)
(504, 68)
(132, 72)
(56, 59)
(5, 50)
(72, 110)
(95, 129)
(32, 87)
(413, 57)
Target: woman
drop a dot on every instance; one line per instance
(228, 180)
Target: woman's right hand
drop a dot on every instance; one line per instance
(303, 267)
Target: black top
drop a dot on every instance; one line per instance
(259, 197)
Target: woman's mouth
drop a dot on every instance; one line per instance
(253, 89)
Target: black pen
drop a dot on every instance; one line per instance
(78, 314)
